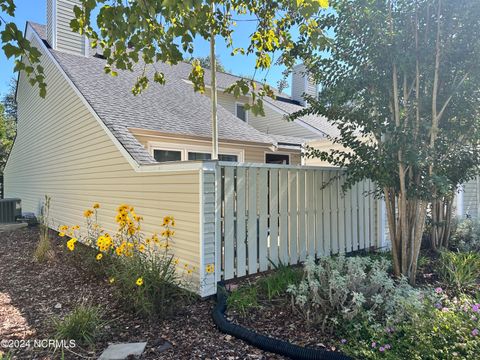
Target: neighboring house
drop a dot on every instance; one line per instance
(468, 199)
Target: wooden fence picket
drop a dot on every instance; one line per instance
(282, 214)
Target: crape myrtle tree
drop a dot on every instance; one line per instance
(402, 84)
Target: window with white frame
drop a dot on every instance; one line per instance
(241, 112)
(162, 155)
(183, 152)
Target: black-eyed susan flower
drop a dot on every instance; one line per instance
(139, 281)
(61, 234)
(88, 213)
(96, 206)
(99, 256)
(71, 244)
(210, 268)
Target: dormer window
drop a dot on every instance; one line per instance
(240, 111)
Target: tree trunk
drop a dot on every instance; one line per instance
(405, 244)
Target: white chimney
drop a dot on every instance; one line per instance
(59, 34)
(302, 84)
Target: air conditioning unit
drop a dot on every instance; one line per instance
(10, 210)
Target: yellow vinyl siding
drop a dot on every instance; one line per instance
(272, 123)
(323, 145)
(62, 151)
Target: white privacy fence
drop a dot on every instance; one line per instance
(264, 215)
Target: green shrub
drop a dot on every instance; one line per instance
(84, 324)
(141, 269)
(459, 270)
(149, 285)
(243, 299)
(276, 283)
(466, 237)
(340, 292)
(442, 328)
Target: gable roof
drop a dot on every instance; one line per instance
(173, 108)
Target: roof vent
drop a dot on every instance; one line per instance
(59, 34)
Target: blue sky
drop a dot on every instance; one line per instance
(34, 10)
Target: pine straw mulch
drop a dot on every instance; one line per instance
(33, 294)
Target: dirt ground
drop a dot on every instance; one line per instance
(33, 294)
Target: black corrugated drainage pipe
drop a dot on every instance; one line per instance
(264, 342)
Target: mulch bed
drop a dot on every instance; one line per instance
(275, 318)
(32, 294)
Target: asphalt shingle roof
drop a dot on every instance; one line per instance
(173, 108)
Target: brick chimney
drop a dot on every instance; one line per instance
(59, 34)
(302, 84)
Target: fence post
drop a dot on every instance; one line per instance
(208, 219)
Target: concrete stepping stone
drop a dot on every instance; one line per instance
(123, 351)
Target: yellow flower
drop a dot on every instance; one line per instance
(96, 205)
(76, 227)
(323, 3)
(167, 220)
(111, 280)
(175, 261)
(119, 250)
(87, 213)
(62, 234)
(63, 228)
(141, 248)
(71, 244)
(139, 281)
(210, 268)
(99, 256)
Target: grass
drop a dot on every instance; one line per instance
(43, 251)
(243, 299)
(84, 324)
(276, 283)
(459, 270)
(7, 356)
(269, 287)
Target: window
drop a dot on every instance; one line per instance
(199, 156)
(241, 112)
(227, 157)
(167, 155)
(277, 159)
(207, 156)
(164, 152)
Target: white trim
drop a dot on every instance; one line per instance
(54, 25)
(201, 270)
(277, 153)
(245, 110)
(182, 154)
